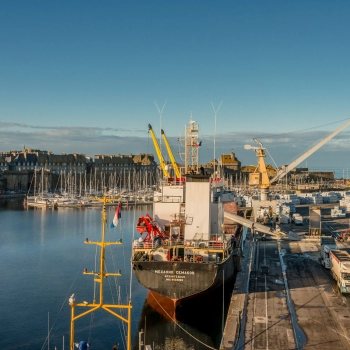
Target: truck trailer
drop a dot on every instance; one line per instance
(340, 267)
(327, 244)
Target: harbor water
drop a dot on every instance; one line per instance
(42, 258)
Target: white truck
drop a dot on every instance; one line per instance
(340, 267)
(327, 244)
(297, 219)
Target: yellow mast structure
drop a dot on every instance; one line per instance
(261, 177)
(264, 179)
(99, 278)
(159, 152)
(177, 171)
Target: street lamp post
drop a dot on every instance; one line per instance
(160, 111)
(215, 113)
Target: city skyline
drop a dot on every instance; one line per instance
(246, 157)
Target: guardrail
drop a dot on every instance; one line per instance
(200, 244)
(168, 199)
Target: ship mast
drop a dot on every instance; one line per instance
(99, 278)
(191, 147)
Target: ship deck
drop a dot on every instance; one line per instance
(297, 305)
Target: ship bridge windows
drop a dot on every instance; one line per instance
(346, 276)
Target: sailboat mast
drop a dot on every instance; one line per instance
(42, 181)
(34, 181)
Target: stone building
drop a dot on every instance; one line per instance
(44, 171)
(227, 165)
(304, 175)
(35, 159)
(230, 163)
(4, 165)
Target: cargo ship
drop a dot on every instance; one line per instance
(184, 250)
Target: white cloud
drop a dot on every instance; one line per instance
(90, 141)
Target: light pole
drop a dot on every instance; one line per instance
(215, 113)
(160, 111)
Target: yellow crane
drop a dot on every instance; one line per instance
(159, 152)
(261, 177)
(172, 159)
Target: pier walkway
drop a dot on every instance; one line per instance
(295, 305)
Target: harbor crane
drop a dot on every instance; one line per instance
(159, 152)
(261, 179)
(172, 159)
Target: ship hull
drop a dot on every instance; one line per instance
(183, 280)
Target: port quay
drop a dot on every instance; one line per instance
(283, 297)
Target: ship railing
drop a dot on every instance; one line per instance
(172, 181)
(216, 245)
(169, 199)
(210, 245)
(154, 245)
(174, 242)
(145, 245)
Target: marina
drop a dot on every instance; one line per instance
(43, 257)
(250, 260)
(297, 297)
(174, 176)
(255, 255)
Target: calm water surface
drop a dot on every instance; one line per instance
(42, 257)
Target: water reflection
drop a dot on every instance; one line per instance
(48, 267)
(198, 326)
(11, 204)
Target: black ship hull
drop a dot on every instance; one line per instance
(179, 281)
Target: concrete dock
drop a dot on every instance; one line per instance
(295, 305)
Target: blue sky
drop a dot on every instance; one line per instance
(82, 76)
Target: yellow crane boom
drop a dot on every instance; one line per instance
(176, 168)
(159, 153)
(262, 178)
